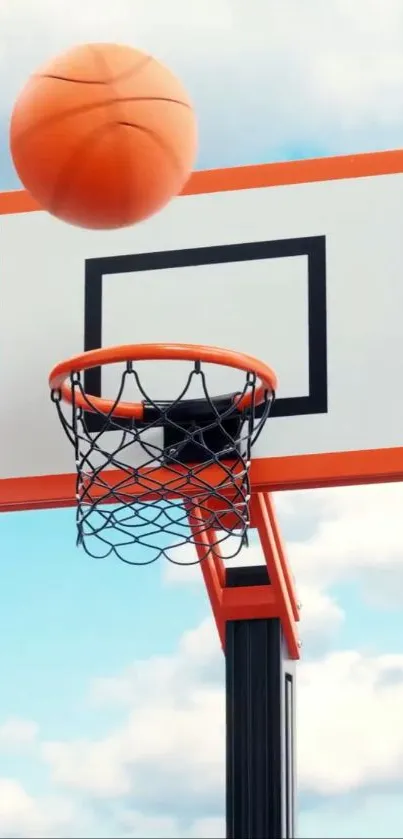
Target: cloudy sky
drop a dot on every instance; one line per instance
(111, 677)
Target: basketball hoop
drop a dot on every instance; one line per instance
(170, 470)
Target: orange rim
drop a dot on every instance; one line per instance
(154, 352)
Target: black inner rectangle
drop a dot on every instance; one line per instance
(313, 247)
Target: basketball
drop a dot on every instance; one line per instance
(103, 136)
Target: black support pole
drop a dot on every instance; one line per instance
(260, 708)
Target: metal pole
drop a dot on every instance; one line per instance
(260, 707)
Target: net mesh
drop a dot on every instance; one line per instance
(152, 488)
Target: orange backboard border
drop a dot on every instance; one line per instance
(279, 473)
(261, 175)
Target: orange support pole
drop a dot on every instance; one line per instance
(256, 612)
(275, 599)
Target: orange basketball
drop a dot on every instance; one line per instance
(103, 136)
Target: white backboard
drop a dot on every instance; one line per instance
(305, 275)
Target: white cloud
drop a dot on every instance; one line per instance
(321, 618)
(350, 733)
(168, 757)
(21, 815)
(356, 534)
(31, 35)
(138, 825)
(340, 64)
(370, 816)
(16, 733)
(172, 743)
(197, 664)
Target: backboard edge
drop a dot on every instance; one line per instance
(268, 474)
(285, 173)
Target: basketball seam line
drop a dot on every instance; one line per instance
(136, 68)
(103, 65)
(124, 99)
(65, 170)
(155, 136)
(81, 109)
(68, 165)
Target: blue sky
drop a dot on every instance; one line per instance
(109, 673)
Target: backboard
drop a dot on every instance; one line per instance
(299, 264)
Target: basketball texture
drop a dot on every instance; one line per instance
(103, 136)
